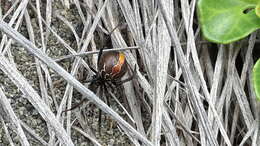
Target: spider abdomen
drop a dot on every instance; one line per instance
(112, 65)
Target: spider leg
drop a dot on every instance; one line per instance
(91, 80)
(75, 106)
(99, 121)
(111, 122)
(100, 112)
(92, 69)
(114, 29)
(111, 85)
(99, 55)
(106, 91)
(87, 81)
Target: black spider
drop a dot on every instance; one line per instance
(112, 66)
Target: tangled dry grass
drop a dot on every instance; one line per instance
(187, 91)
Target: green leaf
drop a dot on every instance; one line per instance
(256, 78)
(226, 21)
(257, 10)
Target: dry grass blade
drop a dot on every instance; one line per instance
(94, 52)
(121, 106)
(250, 132)
(217, 78)
(33, 134)
(11, 22)
(243, 103)
(95, 142)
(41, 68)
(188, 76)
(6, 106)
(162, 59)
(135, 107)
(69, 25)
(6, 131)
(188, 19)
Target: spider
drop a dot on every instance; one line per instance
(112, 66)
